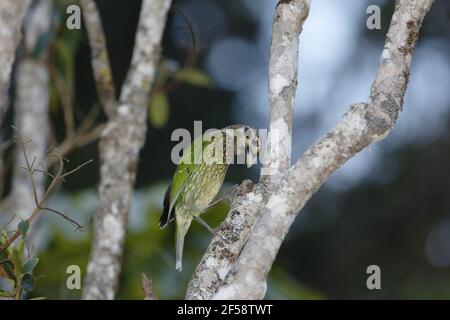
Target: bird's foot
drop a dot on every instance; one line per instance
(207, 226)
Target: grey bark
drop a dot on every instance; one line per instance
(229, 241)
(31, 113)
(120, 143)
(99, 56)
(226, 243)
(283, 67)
(362, 125)
(11, 16)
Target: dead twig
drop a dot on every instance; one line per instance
(148, 288)
(40, 202)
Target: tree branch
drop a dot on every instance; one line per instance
(228, 242)
(283, 67)
(99, 57)
(40, 201)
(361, 125)
(31, 115)
(120, 143)
(11, 16)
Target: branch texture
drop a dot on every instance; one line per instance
(11, 16)
(31, 112)
(283, 67)
(229, 241)
(120, 143)
(362, 124)
(99, 57)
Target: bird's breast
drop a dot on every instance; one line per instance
(203, 187)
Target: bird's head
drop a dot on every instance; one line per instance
(245, 143)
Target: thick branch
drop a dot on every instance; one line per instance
(99, 57)
(228, 242)
(283, 67)
(31, 120)
(121, 141)
(31, 114)
(362, 125)
(11, 16)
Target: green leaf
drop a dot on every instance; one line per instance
(21, 246)
(27, 283)
(158, 110)
(38, 298)
(17, 260)
(23, 227)
(53, 98)
(65, 54)
(194, 77)
(6, 294)
(29, 266)
(4, 237)
(7, 265)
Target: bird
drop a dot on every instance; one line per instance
(200, 176)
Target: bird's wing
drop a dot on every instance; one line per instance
(165, 216)
(188, 165)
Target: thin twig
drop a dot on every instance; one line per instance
(65, 94)
(100, 58)
(76, 169)
(59, 176)
(191, 59)
(64, 216)
(29, 169)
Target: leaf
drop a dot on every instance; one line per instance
(64, 52)
(6, 294)
(27, 283)
(4, 237)
(17, 260)
(53, 98)
(21, 246)
(23, 227)
(29, 266)
(158, 110)
(65, 55)
(195, 77)
(7, 265)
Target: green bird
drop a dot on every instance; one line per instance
(200, 175)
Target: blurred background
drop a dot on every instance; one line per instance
(389, 206)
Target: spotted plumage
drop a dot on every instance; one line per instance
(197, 181)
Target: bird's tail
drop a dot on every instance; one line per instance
(179, 253)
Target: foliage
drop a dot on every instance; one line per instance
(159, 104)
(158, 110)
(17, 265)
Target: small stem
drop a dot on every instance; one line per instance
(18, 293)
